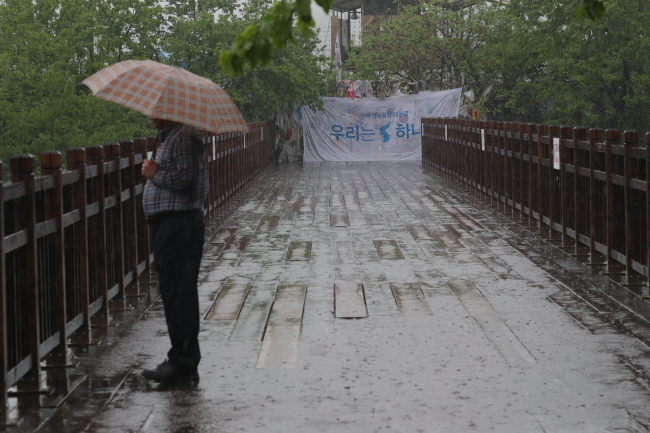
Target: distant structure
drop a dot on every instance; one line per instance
(368, 11)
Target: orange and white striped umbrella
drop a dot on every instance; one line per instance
(167, 92)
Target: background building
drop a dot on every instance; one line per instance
(346, 12)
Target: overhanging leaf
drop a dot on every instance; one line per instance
(594, 9)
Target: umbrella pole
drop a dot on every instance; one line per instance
(155, 149)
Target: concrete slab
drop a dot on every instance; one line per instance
(229, 302)
(349, 301)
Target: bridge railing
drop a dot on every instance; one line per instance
(76, 240)
(586, 190)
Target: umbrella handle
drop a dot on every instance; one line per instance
(155, 149)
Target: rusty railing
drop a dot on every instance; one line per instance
(74, 240)
(586, 191)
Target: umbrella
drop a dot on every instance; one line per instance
(167, 92)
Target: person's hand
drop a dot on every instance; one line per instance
(148, 168)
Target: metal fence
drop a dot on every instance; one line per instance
(74, 240)
(587, 191)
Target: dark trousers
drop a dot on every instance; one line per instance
(177, 244)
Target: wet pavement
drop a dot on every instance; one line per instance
(371, 297)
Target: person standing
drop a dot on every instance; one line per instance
(174, 195)
(177, 185)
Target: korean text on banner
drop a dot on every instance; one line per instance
(373, 129)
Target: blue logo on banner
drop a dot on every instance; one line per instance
(384, 134)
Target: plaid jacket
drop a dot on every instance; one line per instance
(181, 181)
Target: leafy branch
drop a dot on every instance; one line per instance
(594, 9)
(256, 45)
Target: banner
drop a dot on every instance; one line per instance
(372, 129)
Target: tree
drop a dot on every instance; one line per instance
(192, 35)
(555, 69)
(594, 10)
(292, 75)
(104, 32)
(47, 48)
(254, 46)
(434, 42)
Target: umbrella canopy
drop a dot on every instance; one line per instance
(167, 92)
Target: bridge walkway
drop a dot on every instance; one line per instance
(376, 297)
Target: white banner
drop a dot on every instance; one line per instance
(373, 129)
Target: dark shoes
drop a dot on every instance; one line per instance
(165, 373)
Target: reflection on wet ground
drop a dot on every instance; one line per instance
(369, 297)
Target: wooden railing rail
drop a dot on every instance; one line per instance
(586, 191)
(76, 241)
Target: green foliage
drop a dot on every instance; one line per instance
(193, 36)
(47, 47)
(544, 65)
(255, 45)
(433, 42)
(291, 75)
(555, 69)
(594, 10)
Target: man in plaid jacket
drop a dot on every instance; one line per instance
(173, 199)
